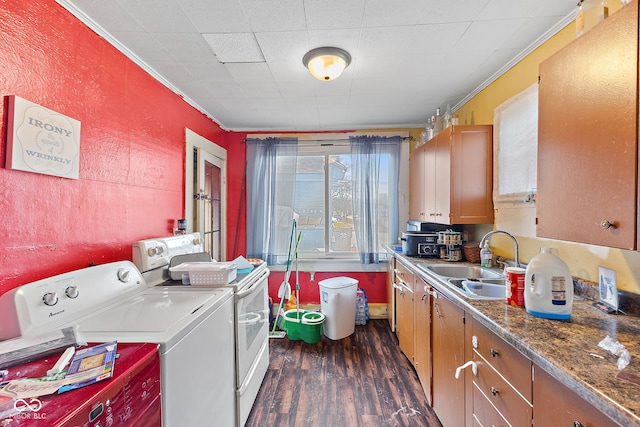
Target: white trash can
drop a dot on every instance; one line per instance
(338, 304)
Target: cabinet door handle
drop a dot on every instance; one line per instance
(604, 224)
(578, 424)
(437, 307)
(494, 391)
(493, 353)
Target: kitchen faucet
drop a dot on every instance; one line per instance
(515, 242)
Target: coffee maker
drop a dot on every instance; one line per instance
(421, 238)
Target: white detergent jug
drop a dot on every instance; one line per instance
(548, 290)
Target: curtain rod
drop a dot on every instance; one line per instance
(404, 138)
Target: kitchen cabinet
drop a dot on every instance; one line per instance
(451, 177)
(422, 334)
(447, 346)
(587, 136)
(404, 279)
(501, 389)
(391, 297)
(558, 405)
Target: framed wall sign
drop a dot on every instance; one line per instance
(41, 140)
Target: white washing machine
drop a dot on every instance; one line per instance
(195, 331)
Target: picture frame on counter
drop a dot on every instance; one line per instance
(608, 289)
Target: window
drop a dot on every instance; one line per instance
(324, 188)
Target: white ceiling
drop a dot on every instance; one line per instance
(240, 61)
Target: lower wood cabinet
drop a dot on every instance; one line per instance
(558, 405)
(422, 334)
(404, 309)
(447, 354)
(502, 385)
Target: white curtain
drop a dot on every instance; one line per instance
(376, 164)
(270, 211)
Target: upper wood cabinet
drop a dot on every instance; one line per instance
(451, 177)
(587, 137)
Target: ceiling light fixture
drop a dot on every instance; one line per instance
(326, 63)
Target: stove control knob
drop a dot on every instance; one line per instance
(72, 291)
(50, 298)
(124, 275)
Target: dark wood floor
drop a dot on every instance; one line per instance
(361, 380)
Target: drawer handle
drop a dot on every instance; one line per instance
(493, 353)
(578, 424)
(494, 391)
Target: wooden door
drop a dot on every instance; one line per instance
(422, 334)
(443, 177)
(472, 174)
(430, 175)
(556, 405)
(391, 293)
(587, 140)
(417, 183)
(447, 329)
(404, 309)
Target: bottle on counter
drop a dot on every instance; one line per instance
(486, 256)
(548, 286)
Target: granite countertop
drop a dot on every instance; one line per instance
(566, 349)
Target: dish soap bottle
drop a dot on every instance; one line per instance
(548, 286)
(486, 256)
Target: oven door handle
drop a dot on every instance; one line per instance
(245, 292)
(251, 319)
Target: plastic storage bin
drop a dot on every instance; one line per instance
(338, 303)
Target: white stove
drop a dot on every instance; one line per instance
(251, 308)
(194, 330)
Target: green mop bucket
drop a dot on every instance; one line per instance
(304, 325)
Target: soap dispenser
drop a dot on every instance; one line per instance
(486, 256)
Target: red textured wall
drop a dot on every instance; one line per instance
(132, 147)
(132, 155)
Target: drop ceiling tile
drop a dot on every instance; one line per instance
(440, 38)
(207, 69)
(159, 15)
(109, 15)
(384, 41)
(143, 45)
(505, 9)
(347, 39)
(290, 72)
(225, 90)
(250, 72)
(382, 67)
(184, 46)
(455, 11)
(487, 33)
(297, 89)
(332, 14)
(382, 13)
(216, 16)
(283, 15)
(234, 47)
(260, 90)
(283, 46)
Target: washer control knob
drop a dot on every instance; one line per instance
(50, 298)
(152, 251)
(159, 250)
(124, 275)
(72, 291)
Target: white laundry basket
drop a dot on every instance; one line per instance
(338, 304)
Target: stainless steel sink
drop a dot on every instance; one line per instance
(472, 272)
(455, 275)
